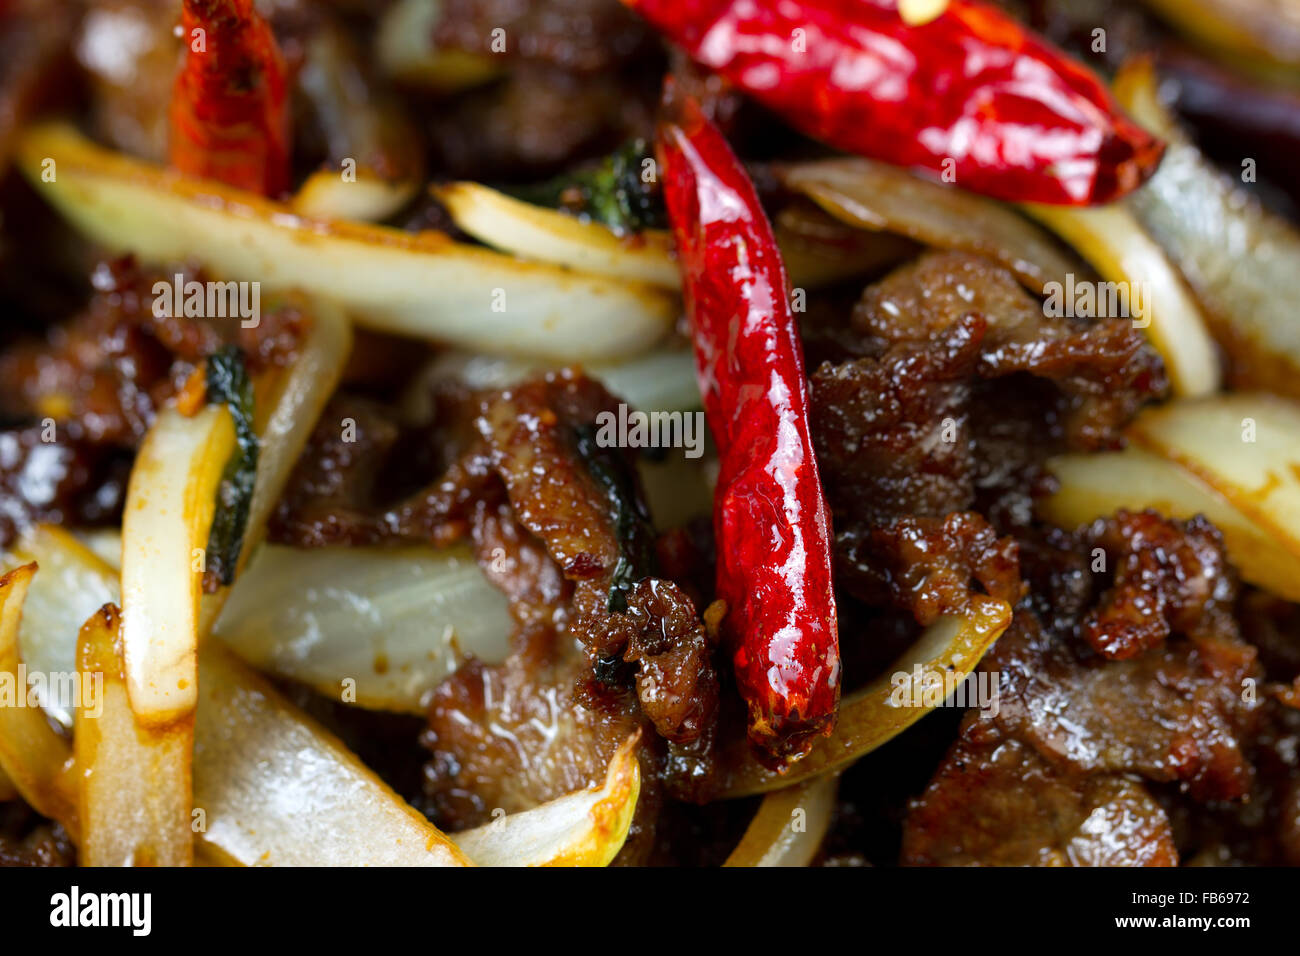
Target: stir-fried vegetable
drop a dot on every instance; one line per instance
(170, 504)
(420, 284)
(275, 789)
(35, 759)
(547, 235)
(133, 781)
(949, 95)
(378, 627)
(789, 826)
(872, 195)
(1094, 486)
(1242, 261)
(67, 591)
(1252, 34)
(952, 646)
(771, 521)
(228, 384)
(1244, 446)
(1113, 241)
(584, 828)
(406, 51)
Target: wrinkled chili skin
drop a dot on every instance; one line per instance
(770, 518)
(971, 94)
(230, 108)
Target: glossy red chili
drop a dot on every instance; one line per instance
(230, 107)
(771, 522)
(971, 96)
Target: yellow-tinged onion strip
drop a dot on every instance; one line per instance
(880, 197)
(1245, 446)
(789, 826)
(1094, 486)
(867, 718)
(35, 759)
(418, 284)
(584, 828)
(133, 782)
(1116, 245)
(170, 501)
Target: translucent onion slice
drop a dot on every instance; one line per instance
(133, 782)
(1242, 261)
(660, 380)
(393, 622)
(262, 769)
(1244, 446)
(67, 591)
(417, 284)
(1093, 486)
(789, 826)
(584, 828)
(35, 759)
(877, 196)
(326, 196)
(275, 789)
(867, 718)
(547, 235)
(1114, 242)
(170, 502)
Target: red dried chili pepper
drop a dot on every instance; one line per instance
(230, 107)
(770, 519)
(971, 93)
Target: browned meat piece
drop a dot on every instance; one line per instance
(1169, 576)
(27, 839)
(102, 375)
(1006, 806)
(580, 36)
(63, 481)
(891, 432)
(537, 120)
(1103, 368)
(1175, 713)
(929, 566)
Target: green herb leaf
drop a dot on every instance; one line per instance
(228, 384)
(612, 192)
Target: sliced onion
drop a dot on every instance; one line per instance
(877, 196)
(394, 622)
(1094, 486)
(547, 235)
(276, 789)
(867, 718)
(133, 782)
(68, 589)
(418, 284)
(327, 197)
(170, 502)
(35, 759)
(273, 786)
(789, 826)
(584, 828)
(660, 380)
(1242, 261)
(1244, 446)
(1114, 242)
